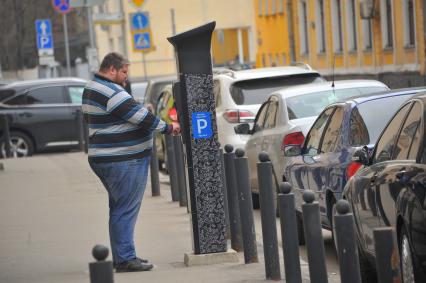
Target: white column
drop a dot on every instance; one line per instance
(240, 46)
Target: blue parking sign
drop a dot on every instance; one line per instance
(202, 125)
(44, 41)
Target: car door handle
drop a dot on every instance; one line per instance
(373, 179)
(25, 114)
(399, 175)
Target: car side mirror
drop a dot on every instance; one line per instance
(292, 150)
(242, 129)
(361, 156)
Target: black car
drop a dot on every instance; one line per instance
(42, 114)
(390, 190)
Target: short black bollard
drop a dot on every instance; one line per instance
(246, 207)
(155, 179)
(6, 136)
(180, 170)
(344, 226)
(80, 128)
(387, 255)
(232, 193)
(101, 270)
(313, 238)
(267, 212)
(171, 167)
(290, 240)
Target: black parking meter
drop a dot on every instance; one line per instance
(196, 106)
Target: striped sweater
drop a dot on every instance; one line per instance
(119, 127)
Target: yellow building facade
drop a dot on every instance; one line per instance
(233, 38)
(342, 36)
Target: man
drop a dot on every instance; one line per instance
(120, 142)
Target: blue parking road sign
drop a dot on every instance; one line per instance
(142, 41)
(139, 21)
(44, 34)
(202, 125)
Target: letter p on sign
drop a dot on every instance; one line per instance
(201, 125)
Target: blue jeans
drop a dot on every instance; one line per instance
(125, 183)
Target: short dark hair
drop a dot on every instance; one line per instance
(115, 60)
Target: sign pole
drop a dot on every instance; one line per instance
(144, 66)
(67, 50)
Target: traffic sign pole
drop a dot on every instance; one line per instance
(67, 47)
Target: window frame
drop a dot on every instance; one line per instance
(386, 19)
(409, 16)
(351, 27)
(336, 10)
(320, 23)
(303, 27)
(305, 144)
(65, 97)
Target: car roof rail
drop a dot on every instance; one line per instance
(302, 65)
(224, 71)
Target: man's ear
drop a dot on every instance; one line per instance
(112, 70)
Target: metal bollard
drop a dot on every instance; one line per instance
(267, 213)
(246, 207)
(344, 226)
(171, 167)
(314, 240)
(155, 179)
(101, 270)
(232, 194)
(290, 240)
(387, 255)
(80, 129)
(6, 136)
(180, 170)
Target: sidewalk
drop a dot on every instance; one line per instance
(53, 210)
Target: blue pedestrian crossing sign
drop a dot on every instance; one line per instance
(44, 37)
(142, 41)
(140, 21)
(202, 125)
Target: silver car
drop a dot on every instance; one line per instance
(286, 117)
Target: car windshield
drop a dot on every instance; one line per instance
(311, 104)
(257, 91)
(372, 119)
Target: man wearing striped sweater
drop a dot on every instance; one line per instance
(120, 145)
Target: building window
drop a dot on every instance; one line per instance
(303, 24)
(351, 25)
(280, 8)
(386, 21)
(260, 7)
(266, 7)
(320, 26)
(368, 34)
(284, 61)
(409, 23)
(273, 7)
(336, 10)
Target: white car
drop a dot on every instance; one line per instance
(286, 117)
(239, 94)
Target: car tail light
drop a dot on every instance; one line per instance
(296, 138)
(173, 114)
(238, 116)
(352, 169)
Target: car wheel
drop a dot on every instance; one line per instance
(20, 145)
(255, 200)
(333, 228)
(300, 230)
(407, 264)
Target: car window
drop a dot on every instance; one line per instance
(311, 104)
(409, 138)
(256, 91)
(46, 95)
(332, 132)
(314, 137)
(388, 138)
(271, 115)
(76, 94)
(375, 118)
(358, 132)
(17, 100)
(6, 93)
(260, 118)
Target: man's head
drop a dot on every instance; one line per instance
(115, 67)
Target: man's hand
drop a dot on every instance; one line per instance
(176, 128)
(150, 107)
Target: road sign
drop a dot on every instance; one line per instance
(137, 3)
(85, 3)
(142, 41)
(139, 21)
(44, 37)
(62, 6)
(202, 125)
(108, 18)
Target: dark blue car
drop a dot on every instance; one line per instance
(324, 163)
